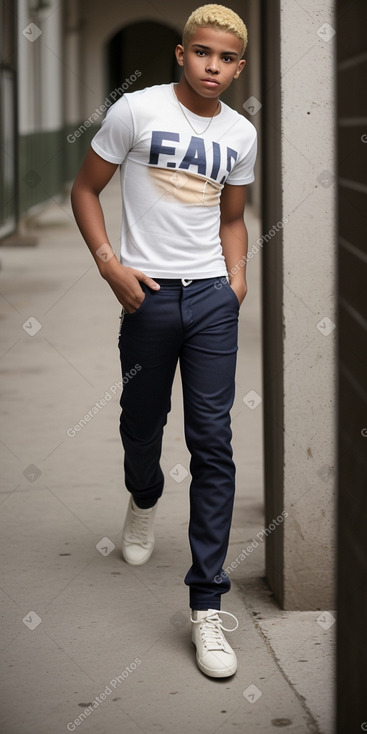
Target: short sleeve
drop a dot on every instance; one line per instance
(243, 171)
(115, 137)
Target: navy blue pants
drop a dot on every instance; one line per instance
(197, 326)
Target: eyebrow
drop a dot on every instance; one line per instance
(207, 48)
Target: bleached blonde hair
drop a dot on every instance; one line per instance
(218, 17)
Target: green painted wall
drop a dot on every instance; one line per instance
(76, 148)
(47, 161)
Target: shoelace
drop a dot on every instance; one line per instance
(212, 629)
(138, 529)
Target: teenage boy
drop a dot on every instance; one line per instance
(186, 159)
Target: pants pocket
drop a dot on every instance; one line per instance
(230, 289)
(142, 305)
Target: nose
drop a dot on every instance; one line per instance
(212, 65)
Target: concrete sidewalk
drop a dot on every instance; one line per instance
(89, 643)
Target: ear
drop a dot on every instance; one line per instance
(240, 67)
(179, 51)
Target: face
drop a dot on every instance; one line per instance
(211, 61)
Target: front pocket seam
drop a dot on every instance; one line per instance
(233, 295)
(140, 307)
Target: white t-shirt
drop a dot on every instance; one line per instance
(171, 179)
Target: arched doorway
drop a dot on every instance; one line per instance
(146, 46)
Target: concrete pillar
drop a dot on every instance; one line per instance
(72, 75)
(40, 67)
(28, 63)
(251, 88)
(299, 300)
(51, 67)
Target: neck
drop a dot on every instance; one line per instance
(193, 101)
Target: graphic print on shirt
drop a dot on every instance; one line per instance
(197, 187)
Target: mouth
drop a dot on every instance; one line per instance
(210, 82)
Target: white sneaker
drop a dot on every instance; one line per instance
(137, 534)
(214, 655)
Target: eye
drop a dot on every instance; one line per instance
(227, 59)
(200, 52)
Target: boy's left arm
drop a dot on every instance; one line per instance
(234, 236)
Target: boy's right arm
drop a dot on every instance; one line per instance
(92, 178)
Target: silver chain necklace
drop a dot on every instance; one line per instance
(185, 115)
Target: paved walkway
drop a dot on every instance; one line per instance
(88, 643)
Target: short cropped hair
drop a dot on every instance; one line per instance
(218, 17)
